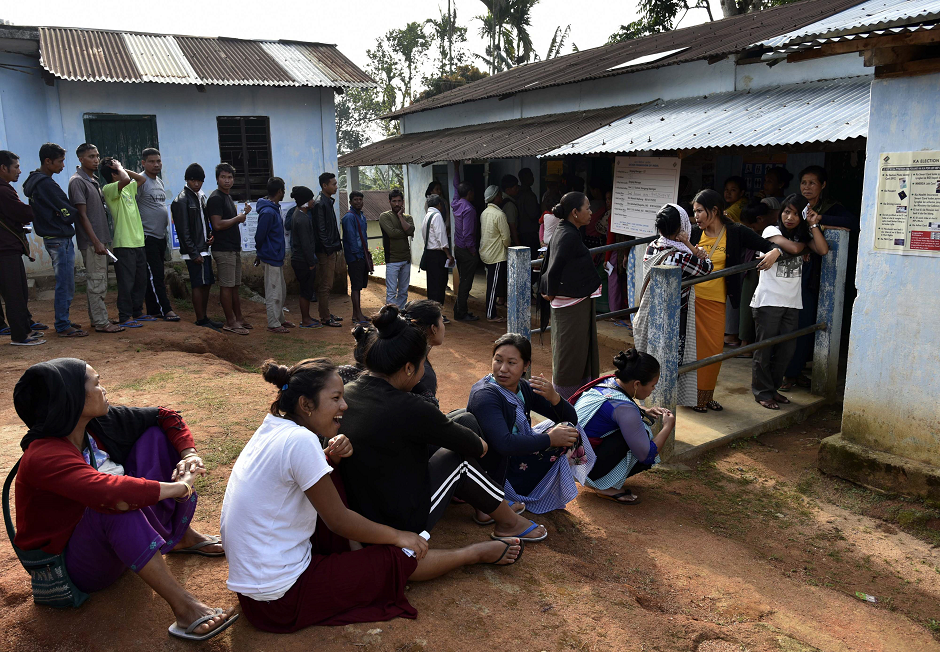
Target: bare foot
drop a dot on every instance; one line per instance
(192, 537)
(518, 508)
(490, 552)
(195, 610)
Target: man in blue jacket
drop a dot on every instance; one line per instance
(270, 249)
(355, 250)
(53, 218)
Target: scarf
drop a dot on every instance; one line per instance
(686, 228)
(49, 398)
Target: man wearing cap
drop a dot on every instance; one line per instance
(494, 243)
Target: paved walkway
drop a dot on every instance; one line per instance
(695, 433)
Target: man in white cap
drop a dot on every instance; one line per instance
(494, 243)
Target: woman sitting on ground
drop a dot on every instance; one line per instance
(392, 478)
(99, 483)
(672, 247)
(294, 547)
(619, 429)
(531, 463)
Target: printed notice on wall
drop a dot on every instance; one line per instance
(249, 227)
(907, 217)
(642, 184)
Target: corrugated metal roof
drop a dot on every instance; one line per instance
(865, 17)
(709, 40)
(504, 139)
(98, 55)
(374, 203)
(802, 113)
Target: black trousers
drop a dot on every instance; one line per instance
(15, 294)
(132, 277)
(158, 303)
(453, 475)
(495, 277)
(437, 275)
(769, 365)
(466, 268)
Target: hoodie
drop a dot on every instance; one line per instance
(269, 237)
(53, 215)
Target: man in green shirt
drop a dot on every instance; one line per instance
(120, 193)
(397, 227)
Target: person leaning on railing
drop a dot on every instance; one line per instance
(723, 242)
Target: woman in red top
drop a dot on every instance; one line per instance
(109, 486)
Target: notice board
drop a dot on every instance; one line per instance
(907, 204)
(642, 184)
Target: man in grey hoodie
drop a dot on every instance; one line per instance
(53, 218)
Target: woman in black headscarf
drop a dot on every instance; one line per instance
(109, 488)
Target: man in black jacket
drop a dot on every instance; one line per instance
(328, 246)
(53, 218)
(194, 232)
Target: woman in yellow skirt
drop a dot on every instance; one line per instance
(723, 242)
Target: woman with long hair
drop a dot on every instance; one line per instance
(568, 287)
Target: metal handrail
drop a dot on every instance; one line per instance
(756, 346)
(603, 249)
(731, 271)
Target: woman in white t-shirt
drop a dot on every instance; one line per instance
(294, 549)
(778, 298)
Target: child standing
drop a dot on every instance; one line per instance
(778, 298)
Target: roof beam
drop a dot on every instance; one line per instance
(924, 37)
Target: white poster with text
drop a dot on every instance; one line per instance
(642, 184)
(907, 212)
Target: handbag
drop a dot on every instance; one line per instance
(50, 580)
(424, 254)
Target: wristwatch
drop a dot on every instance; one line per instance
(814, 226)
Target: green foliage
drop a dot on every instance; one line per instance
(411, 45)
(445, 35)
(461, 76)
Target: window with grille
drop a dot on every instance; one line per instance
(245, 143)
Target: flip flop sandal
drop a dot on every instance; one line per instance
(780, 398)
(288, 324)
(131, 323)
(174, 318)
(197, 549)
(6, 331)
(37, 326)
(787, 386)
(335, 318)
(187, 634)
(492, 520)
(714, 405)
(701, 409)
(315, 324)
(770, 405)
(616, 498)
(74, 333)
(279, 329)
(332, 323)
(247, 325)
(508, 546)
(237, 331)
(101, 330)
(146, 318)
(522, 535)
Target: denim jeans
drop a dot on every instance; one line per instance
(62, 252)
(397, 278)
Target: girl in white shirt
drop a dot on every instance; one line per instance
(294, 549)
(778, 298)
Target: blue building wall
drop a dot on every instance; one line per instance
(893, 381)
(302, 123)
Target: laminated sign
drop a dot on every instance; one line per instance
(642, 184)
(907, 211)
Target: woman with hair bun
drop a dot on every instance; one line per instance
(620, 431)
(568, 288)
(296, 557)
(672, 247)
(393, 478)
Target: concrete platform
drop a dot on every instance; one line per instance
(696, 433)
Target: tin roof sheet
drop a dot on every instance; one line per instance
(802, 113)
(504, 139)
(99, 55)
(706, 41)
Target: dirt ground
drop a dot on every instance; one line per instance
(752, 549)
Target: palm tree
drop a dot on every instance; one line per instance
(494, 28)
(520, 19)
(446, 32)
(558, 42)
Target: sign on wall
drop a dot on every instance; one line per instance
(642, 184)
(907, 210)
(246, 229)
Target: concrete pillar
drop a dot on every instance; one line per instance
(519, 294)
(664, 294)
(829, 310)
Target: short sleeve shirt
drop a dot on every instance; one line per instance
(85, 191)
(781, 285)
(229, 239)
(128, 229)
(151, 201)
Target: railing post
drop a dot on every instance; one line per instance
(829, 309)
(634, 276)
(663, 340)
(519, 295)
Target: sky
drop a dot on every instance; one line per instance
(353, 25)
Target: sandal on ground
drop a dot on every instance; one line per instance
(237, 330)
(623, 494)
(522, 535)
(701, 409)
(780, 398)
(509, 544)
(332, 323)
(493, 520)
(131, 323)
(770, 405)
(197, 549)
(187, 634)
(146, 318)
(74, 332)
(335, 318)
(314, 324)
(787, 385)
(174, 317)
(279, 329)
(30, 341)
(110, 328)
(714, 405)
(247, 326)
(6, 330)
(288, 324)
(37, 326)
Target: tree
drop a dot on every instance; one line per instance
(495, 30)
(446, 33)
(558, 42)
(520, 20)
(411, 45)
(357, 113)
(461, 76)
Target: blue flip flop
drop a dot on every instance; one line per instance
(522, 535)
(316, 324)
(131, 323)
(5, 331)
